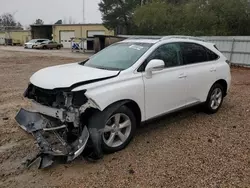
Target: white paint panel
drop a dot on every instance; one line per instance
(92, 33)
(56, 76)
(65, 38)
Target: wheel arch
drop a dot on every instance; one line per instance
(224, 84)
(132, 105)
(96, 115)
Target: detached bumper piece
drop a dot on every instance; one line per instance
(50, 139)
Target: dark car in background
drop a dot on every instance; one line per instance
(48, 45)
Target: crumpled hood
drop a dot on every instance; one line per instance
(65, 76)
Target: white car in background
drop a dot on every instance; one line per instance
(34, 42)
(98, 103)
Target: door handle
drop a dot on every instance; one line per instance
(182, 75)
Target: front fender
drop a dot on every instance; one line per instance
(105, 96)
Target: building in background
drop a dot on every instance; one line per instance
(14, 37)
(63, 33)
(41, 31)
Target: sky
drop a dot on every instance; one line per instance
(27, 11)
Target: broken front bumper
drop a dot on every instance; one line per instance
(38, 125)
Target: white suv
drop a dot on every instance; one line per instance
(98, 103)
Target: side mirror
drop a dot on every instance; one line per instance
(154, 65)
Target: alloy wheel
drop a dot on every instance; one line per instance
(216, 98)
(117, 130)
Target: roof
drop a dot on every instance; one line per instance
(155, 39)
(41, 25)
(78, 24)
(36, 25)
(151, 41)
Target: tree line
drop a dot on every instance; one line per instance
(177, 17)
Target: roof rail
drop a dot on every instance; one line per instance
(141, 37)
(182, 37)
(161, 37)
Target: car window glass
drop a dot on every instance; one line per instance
(119, 56)
(169, 53)
(211, 55)
(193, 53)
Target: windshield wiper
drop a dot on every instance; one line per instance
(107, 68)
(103, 68)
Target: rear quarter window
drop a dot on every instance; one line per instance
(211, 55)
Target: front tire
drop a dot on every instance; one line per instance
(119, 130)
(214, 99)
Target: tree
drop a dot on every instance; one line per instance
(118, 13)
(59, 22)
(158, 18)
(193, 17)
(8, 22)
(39, 22)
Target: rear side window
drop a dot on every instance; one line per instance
(193, 53)
(211, 55)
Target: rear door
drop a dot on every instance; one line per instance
(200, 69)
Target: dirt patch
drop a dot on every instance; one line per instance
(186, 149)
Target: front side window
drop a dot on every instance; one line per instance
(169, 53)
(193, 53)
(119, 56)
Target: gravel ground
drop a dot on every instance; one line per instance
(186, 149)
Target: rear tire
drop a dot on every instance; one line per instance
(214, 99)
(58, 47)
(119, 130)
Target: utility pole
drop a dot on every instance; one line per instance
(83, 12)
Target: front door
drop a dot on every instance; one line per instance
(166, 90)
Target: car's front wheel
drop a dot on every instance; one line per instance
(119, 130)
(214, 99)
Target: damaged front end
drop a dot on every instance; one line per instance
(56, 123)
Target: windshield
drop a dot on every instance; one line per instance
(119, 56)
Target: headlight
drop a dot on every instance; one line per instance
(79, 98)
